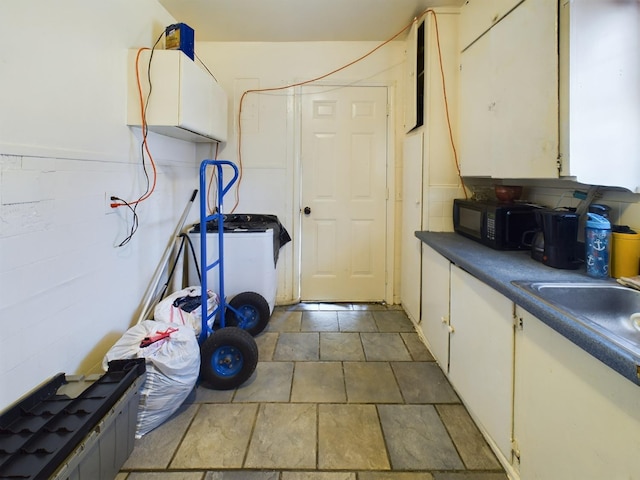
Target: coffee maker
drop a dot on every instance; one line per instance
(556, 242)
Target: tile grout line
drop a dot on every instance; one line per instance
(317, 436)
(251, 434)
(352, 474)
(384, 438)
(183, 436)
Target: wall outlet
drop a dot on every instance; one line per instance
(107, 204)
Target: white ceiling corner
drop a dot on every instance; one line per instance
(298, 20)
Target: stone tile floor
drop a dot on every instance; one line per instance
(341, 392)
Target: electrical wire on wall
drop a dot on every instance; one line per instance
(306, 82)
(446, 102)
(212, 181)
(205, 67)
(144, 150)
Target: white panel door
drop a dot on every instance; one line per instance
(344, 190)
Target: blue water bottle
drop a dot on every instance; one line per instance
(597, 241)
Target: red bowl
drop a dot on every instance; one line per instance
(508, 193)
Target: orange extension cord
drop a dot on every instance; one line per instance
(283, 87)
(144, 139)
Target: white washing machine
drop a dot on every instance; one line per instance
(249, 264)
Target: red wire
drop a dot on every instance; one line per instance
(144, 137)
(446, 104)
(211, 177)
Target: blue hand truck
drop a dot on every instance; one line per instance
(229, 355)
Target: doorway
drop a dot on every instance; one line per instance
(343, 193)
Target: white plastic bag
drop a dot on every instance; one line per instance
(172, 368)
(179, 307)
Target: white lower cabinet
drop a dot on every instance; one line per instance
(549, 409)
(481, 355)
(575, 418)
(435, 305)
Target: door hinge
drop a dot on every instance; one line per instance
(515, 450)
(559, 164)
(518, 322)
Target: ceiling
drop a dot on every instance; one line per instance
(298, 20)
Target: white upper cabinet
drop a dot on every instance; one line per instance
(600, 92)
(480, 15)
(476, 104)
(185, 101)
(509, 95)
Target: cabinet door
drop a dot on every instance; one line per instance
(185, 101)
(574, 417)
(509, 96)
(476, 110)
(524, 48)
(481, 354)
(600, 92)
(435, 305)
(478, 16)
(412, 159)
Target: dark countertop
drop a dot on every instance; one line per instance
(499, 269)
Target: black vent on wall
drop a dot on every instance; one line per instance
(420, 76)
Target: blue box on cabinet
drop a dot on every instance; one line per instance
(180, 36)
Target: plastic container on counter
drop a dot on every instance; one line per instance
(625, 254)
(597, 241)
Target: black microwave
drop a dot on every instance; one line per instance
(497, 225)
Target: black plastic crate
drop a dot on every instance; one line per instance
(40, 432)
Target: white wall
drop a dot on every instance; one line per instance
(67, 293)
(270, 132)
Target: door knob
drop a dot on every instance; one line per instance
(307, 210)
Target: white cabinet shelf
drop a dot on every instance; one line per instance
(185, 102)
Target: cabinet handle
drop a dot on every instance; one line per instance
(451, 329)
(444, 319)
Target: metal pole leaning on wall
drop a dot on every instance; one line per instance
(149, 296)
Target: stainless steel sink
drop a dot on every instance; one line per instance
(608, 309)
